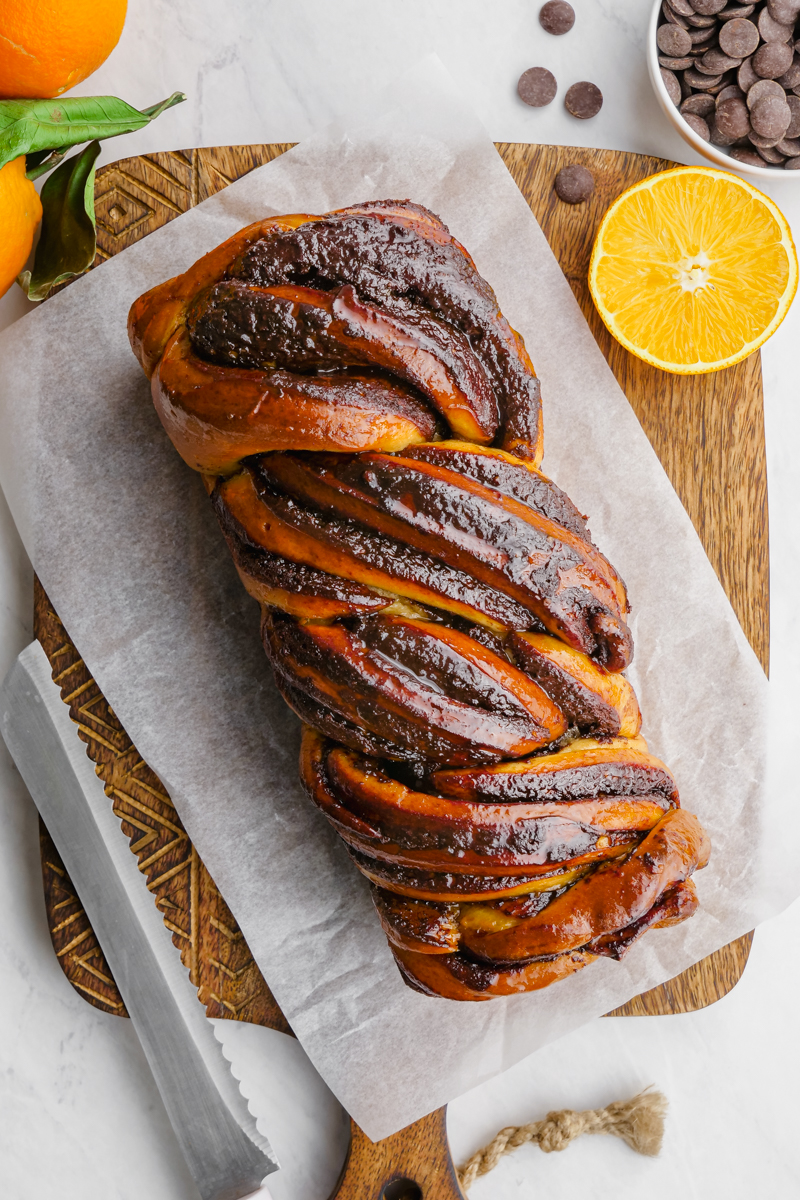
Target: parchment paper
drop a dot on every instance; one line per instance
(123, 538)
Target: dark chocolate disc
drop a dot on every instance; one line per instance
(732, 11)
(714, 62)
(785, 12)
(791, 78)
(673, 40)
(700, 104)
(764, 87)
(574, 184)
(698, 125)
(773, 59)
(673, 87)
(584, 100)
(738, 38)
(771, 117)
(772, 30)
(746, 76)
(537, 86)
(733, 119)
(743, 155)
(794, 108)
(557, 17)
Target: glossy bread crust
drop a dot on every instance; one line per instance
(409, 299)
(369, 429)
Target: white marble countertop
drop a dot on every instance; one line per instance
(79, 1111)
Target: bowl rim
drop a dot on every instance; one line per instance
(706, 149)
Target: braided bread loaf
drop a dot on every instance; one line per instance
(369, 429)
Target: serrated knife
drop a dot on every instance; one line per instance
(226, 1155)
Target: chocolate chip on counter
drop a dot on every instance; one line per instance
(771, 117)
(537, 86)
(784, 11)
(708, 7)
(738, 38)
(733, 119)
(772, 59)
(696, 79)
(557, 17)
(699, 126)
(746, 76)
(771, 30)
(731, 92)
(700, 103)
(791, 78)
(673, 87)
(673, 40)
(790, 147)
(574, 184)
(584, 99)
(674, 64)
(751, 157)
(736, 10)
(764, 87)
(794, 108)
(714, 62)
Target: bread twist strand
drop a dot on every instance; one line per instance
(369, 429)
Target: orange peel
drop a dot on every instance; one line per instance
(693, 269)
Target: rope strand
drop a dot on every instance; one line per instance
(639, 1122)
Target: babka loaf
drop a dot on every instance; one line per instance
(369, 429)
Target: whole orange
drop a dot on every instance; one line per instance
(20, 213)
(47, 46)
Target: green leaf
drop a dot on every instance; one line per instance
(155, 110)
(67, 243)
(29, 126)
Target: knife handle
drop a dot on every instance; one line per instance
(414, 1164)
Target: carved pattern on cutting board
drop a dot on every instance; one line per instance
(211, 944)
(136, 196)
(74, 942)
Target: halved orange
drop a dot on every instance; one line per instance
(693, 269)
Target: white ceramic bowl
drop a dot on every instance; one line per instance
(714, 154)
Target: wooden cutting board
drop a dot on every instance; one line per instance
(707, 431)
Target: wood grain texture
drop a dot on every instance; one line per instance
(411, 1164)
(707, 431)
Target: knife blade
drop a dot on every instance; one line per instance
(226, 1155)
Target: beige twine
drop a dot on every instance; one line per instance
(639, 1122)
